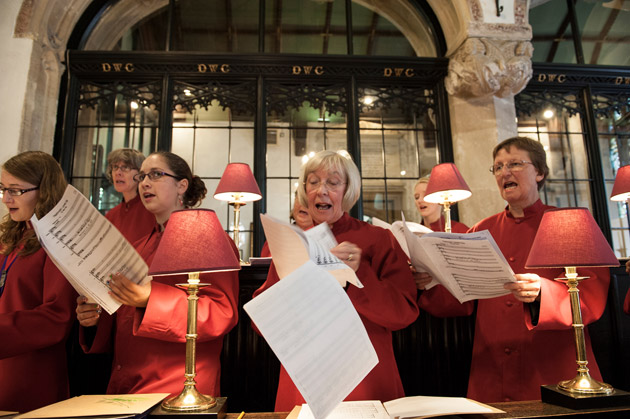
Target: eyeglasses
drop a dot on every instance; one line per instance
(331, 184)
(513, 166)
(15, 192)
(122, 168)
(154, 175)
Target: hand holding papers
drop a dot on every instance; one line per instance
(315, 331)
(87, 248)
(470, 265)
(291, 247)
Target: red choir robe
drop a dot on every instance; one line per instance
(386, 303)
(37, 310)
(626, 303)
(132, 219)
(149, 343)
(456, 226)
(512, 356)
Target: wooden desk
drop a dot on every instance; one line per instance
(514, 410)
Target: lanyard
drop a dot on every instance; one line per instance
(5, 269)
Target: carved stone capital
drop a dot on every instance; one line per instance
(484, 67)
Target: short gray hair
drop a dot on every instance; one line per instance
(337, 161)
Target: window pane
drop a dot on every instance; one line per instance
(604, 32)
(230, 26)
(552, 39)
(305, 27)
(398, 145)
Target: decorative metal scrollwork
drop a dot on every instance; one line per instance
(418, 100)
(606, 104)
(283, 96)
(93, 94)
(240, 98)
(530, 102)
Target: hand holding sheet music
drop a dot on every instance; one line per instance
(470, 266)
(291, 247)
(87, 248)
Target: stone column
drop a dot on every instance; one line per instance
(484, 75)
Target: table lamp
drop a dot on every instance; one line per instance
(238, 187)
(446, 186)
(193, 241)
(621, 188)
(569, 238)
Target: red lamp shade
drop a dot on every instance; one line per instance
(621, 188)
(446, 184)
(569, 237)
(194, 241)
(237, 184)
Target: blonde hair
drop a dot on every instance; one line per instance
(423, 179)
(332, 161)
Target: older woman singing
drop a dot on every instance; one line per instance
(330, 185)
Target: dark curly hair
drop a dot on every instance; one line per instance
(37, 168)
(196, 191)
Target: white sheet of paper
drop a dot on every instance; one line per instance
(367, 409)
(97, 405)
(428, 406)
(316, 333)
(291, 246)
(87, 248)
(398, 230)
(470, 265)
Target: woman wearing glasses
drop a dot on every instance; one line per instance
(130, 216)
(36, 300)
(330, 186)
(522, 340)
(148, 331)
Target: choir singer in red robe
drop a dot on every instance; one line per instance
(523, 339)
(130, 217)
(36, 300)
(148, 332)
(330, 185)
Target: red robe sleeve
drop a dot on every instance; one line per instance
(37, 318)
(555, 305)
(165, 317)
(388, 294)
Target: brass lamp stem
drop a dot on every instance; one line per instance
(447, 216)
(582, 384)
(190, 398)
(237, 220)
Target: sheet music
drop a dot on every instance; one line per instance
(291, 247)
(470, 265)
(367, 409)
(87, 248)
(398, 230)
(316, 333)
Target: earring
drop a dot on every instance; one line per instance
(179, 198)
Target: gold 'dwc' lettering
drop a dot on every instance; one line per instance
(117, 67)
(307, 69)
(622, 80)
(552, 78)
(213, 68)
(398, 72)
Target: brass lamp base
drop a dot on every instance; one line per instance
(552, 394)
(583, 384)
(188, 400)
